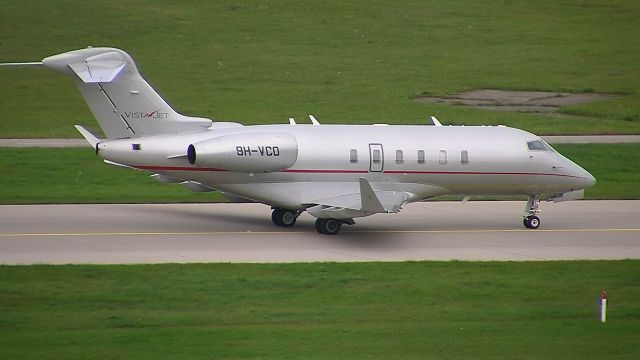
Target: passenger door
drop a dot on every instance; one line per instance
(376, 158)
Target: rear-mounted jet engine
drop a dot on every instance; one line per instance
(247, 152)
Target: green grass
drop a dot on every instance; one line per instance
(443, 310)
(346, 62)
(616, 168)
(34, 175)
(72, 175)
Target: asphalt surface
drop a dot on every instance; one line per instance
(600, 139)
(135, 233)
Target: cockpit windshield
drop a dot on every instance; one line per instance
(539, 145)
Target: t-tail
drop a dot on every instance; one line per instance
(122, 102)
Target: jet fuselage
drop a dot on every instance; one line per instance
(425, 160)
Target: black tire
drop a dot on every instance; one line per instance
(287, 218)
(532, 222)
(319, 226)
(331, 226)
(283, 217)
(276, 218)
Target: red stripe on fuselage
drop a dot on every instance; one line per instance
(475, 173)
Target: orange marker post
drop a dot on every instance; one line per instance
(603, 306)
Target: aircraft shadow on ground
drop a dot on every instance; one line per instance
(349, 235)
(188, 214)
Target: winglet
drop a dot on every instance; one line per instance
(368, 198)
(91, 139)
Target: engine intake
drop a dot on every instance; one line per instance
(191, 154)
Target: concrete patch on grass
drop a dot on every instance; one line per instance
(516, 101)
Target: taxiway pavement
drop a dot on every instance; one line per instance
(483, 230)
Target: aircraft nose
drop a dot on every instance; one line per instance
(592, 180)
(583, 179)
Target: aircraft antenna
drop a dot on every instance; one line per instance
(313, 119)
(435, 121)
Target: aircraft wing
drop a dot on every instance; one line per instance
(363, 203)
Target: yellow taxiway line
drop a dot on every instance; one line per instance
(248, 232)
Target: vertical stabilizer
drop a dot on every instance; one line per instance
(122, 102)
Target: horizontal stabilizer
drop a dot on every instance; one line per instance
(121, 100)
(91, 139)
(101, 68)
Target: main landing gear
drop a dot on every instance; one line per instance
(287, 218)
(328, 226)
(531, 220)
(331, 226)
(284, 217)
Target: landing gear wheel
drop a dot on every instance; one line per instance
(319, 226)
(283, 217)
(288, 218)
(330, 226)
(275, 217)
(532, 222)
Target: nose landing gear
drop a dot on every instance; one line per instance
(531, 220)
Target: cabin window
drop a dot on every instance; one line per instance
(464, 157)
(442, 158)
(353, 156)
(376, 156)
(136, 147)
(399, 157)
(420, 156)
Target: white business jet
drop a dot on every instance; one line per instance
(334, 172)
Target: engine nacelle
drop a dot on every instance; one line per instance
(246, 152)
